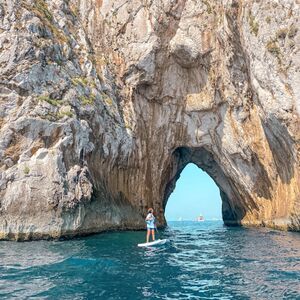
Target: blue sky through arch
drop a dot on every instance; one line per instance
(195, 193)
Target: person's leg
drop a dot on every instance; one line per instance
(148, 235)
(153, 235)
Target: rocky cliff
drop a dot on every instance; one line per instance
(103, 103)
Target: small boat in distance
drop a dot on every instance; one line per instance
(200, 218)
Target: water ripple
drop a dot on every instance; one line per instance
(202, 261)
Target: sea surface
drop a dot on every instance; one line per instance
(203, 260)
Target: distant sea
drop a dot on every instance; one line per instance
(203, 260)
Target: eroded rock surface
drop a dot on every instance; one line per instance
(104, 102)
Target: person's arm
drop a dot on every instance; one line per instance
(149, 217)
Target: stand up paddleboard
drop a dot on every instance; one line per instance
(154, 243)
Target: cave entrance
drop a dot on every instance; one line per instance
(196, 195)
(234, 206)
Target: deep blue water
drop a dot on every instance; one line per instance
(204, 260)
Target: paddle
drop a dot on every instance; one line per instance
(157, 232)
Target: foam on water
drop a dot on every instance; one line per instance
(204, 260)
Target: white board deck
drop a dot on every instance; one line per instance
(154, 243)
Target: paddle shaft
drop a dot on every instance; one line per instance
(157, 230)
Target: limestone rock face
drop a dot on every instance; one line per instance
(104, 102)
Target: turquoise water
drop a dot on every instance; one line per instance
(204, 260)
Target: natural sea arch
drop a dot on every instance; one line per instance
(90, 139)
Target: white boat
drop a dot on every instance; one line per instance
(200, 218)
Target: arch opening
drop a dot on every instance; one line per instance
(196, 196)
(234, 206)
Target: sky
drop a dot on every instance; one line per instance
(195, 193)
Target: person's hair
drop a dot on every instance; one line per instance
(150, 210)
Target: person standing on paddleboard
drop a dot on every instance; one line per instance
(150, 220)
